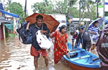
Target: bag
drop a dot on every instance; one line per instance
(43, 41)
(102, 48)
(24, 35)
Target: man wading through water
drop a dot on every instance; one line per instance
(36, 51)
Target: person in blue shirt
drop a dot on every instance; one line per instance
(36, 51)
(94, 34)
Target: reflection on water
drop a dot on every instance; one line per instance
(16, 56)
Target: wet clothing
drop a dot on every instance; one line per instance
(94, 37)
(94, 29)
(93, 41)
(60, 47)
(41, 52)
(85, 40)
(34, 29)
(102, 48)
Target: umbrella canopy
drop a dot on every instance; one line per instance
(3, 20)
(100, 21)
(51, 23)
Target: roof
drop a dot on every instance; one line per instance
(77, 19)
(106, 3)
(3, 20)
(11, 14)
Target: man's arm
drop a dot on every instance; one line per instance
(91, 32)
(77, 40)
(28, 24)
(67, 48)
(73, 42)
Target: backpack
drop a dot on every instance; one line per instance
(102, 47)
(24, 35)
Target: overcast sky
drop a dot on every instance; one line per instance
(29, 3)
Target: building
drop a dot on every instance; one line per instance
(15, 17)
(83, 21)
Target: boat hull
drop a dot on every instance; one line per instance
(76, 67)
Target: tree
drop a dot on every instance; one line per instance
(16, 8)
(43, 7)
(74, 12)
(91, 7)
(64, 7)
(49, 8)
(39, 7)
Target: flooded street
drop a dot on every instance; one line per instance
(16, 56)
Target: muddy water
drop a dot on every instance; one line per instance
(16, 56)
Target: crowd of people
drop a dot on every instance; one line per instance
(87, 38)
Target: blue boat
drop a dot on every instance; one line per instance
(83, 60)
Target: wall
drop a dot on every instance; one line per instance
(1, 32)
(0, 14)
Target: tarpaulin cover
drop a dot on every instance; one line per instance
(11, 14)
(9, 26)
(1, 6)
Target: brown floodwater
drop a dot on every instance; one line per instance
(16, 56)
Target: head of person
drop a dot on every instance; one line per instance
(39, 20)
(63, 29)
(95, 24)
(81, 28)
(73, 33)
(106, 23)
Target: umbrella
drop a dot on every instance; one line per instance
(100, 21)
(51, 23)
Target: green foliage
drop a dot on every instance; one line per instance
(40, 7)
(74, 11)
(62, 7)
(106, 13)
(93, 12)
(11, 35)
(16, 8)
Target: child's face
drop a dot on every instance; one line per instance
(96, 24)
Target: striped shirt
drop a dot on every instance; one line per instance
(94, 29)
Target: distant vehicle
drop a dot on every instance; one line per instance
(61, 18)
